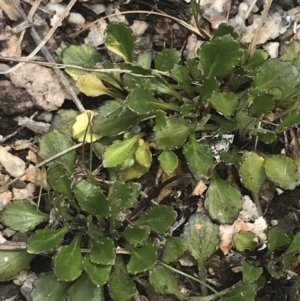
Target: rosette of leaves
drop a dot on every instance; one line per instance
(220, 91)
(165, 109)
(84, 239)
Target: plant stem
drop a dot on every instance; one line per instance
(257, 203)
(191, 277)
(203, 284)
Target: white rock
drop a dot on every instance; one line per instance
(271, 29)
(26, 193)
(139, 27)
(95, 37)
(96, 8)
(215, 11)
(272, 48)
(77, 19)
(192, 46)
(42, 84)
(12, 164)
(249, 211)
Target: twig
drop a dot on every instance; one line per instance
(40, 164)
(46, 38)
(46, 53)
(16, 131)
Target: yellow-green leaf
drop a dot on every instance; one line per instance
(143, 154)
(82, 127)
(91, 85)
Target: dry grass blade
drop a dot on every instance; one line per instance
(253, 43)
(47, 54)
(181, 22)
(45, 40)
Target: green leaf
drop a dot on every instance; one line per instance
(141, 101)
(246, 292)
(160, 218)
(127, 193)
(262, 104)
(223, 201)
(258, 57)
(226, 125)
(173, 135)
(114, 125)
(275, 269)
(81, 55)
(182, 76)
(290, 120)
(252, 172)
(245, 240)
(225, 102)
(144, 59)
(277, 77)
(225, 29)
(231, 157)
(22, 215)
(13, 262)
(45, 240)
(91, 199)
(276, 239)
(99, 274)
(160, 120)
(59, 181)
(290, 51)
(288, 260)
(133, 172)
(62, 208)
(250, 272)
(110, 108)
(209, 86)
(48, 288)
(68, 261)
(193, 67)
(165, 281)
(219, 56)
(245, 123)
(119, 39)
(282, 171)
(168, 161)
(91, 85)
(174, 248)
(55, 142)
(266, 136)
(84, 289)
(103, 251)
(166, 59)
(201, 237)
(94, 229)
(142, 258)
(199, 157)
(120, 285)
(187, 110)
(159, 84)
(135, 234)
(295, 245)
(143, 154)
(63, 121)
(116, 153)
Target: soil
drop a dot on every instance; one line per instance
(282, 209)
